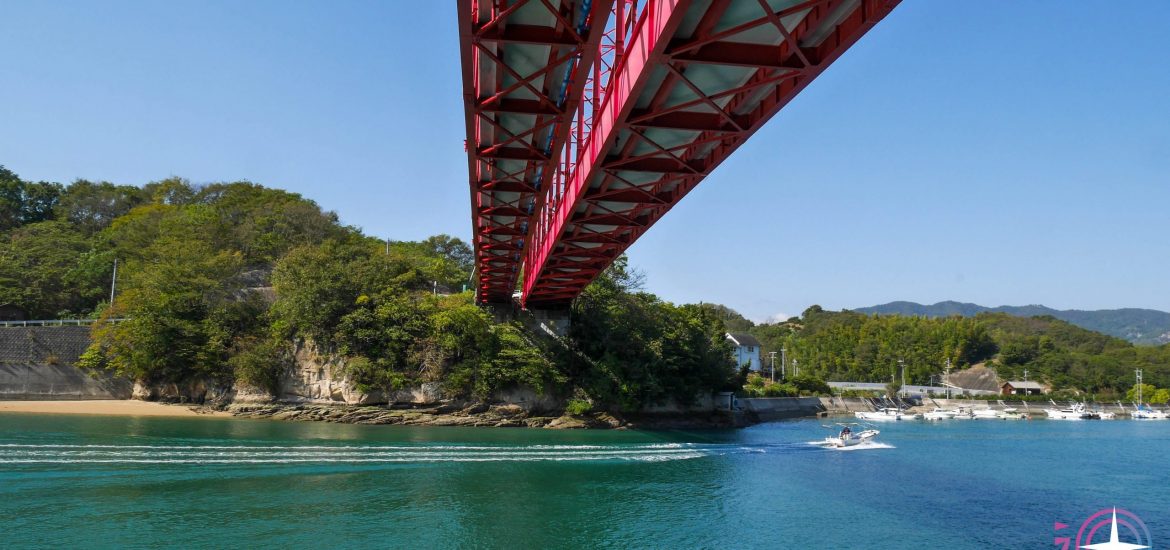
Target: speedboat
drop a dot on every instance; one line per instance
(847, 438)
(880, 415)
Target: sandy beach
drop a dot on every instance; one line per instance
(105, 407)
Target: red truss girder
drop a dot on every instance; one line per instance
(654, 123)
(525, 64)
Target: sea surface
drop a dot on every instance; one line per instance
(93, 482)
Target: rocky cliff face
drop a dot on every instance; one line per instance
(317, 376)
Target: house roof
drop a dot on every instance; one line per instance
(743, 339)
(1024, 385)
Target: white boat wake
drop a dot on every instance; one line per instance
(14, 453)
(863, 446)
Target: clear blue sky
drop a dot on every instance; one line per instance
(993, 152)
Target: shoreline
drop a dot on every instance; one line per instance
(109, 407)
(474, 416)
(497, 416)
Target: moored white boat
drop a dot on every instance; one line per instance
(985, 414)
(882, 415)
(1007, 413)
(1075, 412)
(1142, 412)
(939, 414)
(963, 413)
(1011, 413)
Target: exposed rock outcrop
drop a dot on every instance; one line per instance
(479, 415)
(978, 377)
(476, 415)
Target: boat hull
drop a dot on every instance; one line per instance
(878, 417)
(849, 441)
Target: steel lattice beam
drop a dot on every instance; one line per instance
(658, 96)
(525, 64)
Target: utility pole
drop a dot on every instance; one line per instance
(1025, 375)
(114, 282)
(772, 354)
(795, 370)
(902, 369)
(1138, 372)
(783, 362)
(947, 377)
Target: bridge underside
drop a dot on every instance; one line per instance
(568, 171)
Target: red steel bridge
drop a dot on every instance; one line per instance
(587, 120)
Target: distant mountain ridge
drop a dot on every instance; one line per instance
(1140, 326)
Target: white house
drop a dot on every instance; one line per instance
(747, 349)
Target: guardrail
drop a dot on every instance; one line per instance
(56, 322)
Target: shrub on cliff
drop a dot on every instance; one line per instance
(261, 362)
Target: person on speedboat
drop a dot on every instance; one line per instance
(845, 432)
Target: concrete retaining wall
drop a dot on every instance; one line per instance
(38, 363)
(57, 382)
(42, 345)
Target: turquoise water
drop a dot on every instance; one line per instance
(203, 482)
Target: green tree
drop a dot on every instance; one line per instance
(182, 313)
(93, 206)
(42, 270)
(1148, 391)
(22, 202)
(642, 350)
(1161, 396)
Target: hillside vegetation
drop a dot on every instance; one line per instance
(851, 346)
(218, 283)
(1140, 326)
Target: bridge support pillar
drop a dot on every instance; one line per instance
(501, 312)
(555, 321)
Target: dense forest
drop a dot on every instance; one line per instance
(850, 346)
(218, 283)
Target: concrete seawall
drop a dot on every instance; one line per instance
(37, 363)
(57, 382)
(767, 409)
